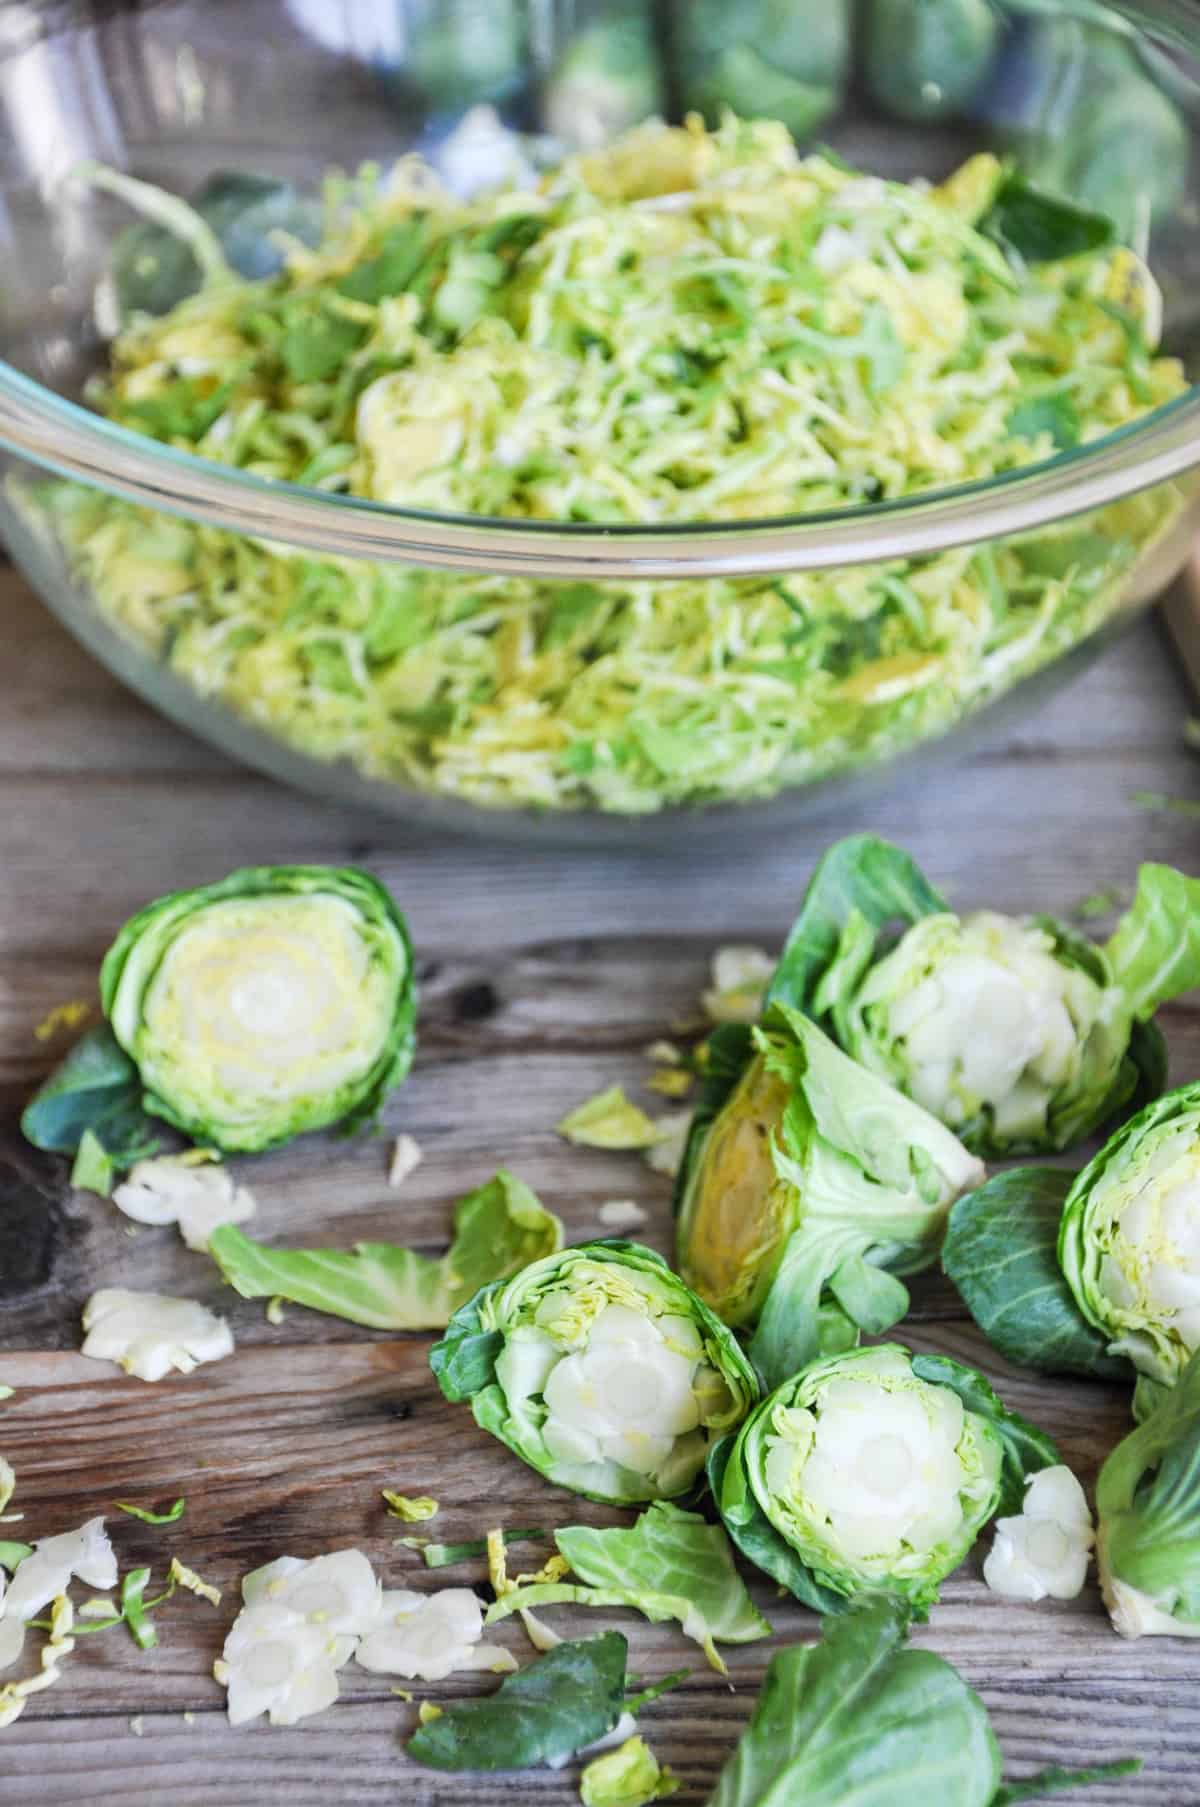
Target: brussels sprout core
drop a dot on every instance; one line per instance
(978, 1017)
(886, 1470)
(631, 1394)
(277, 1001)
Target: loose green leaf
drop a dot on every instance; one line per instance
(1001, 1251)
(1056, 415)
(444, 1555)
(401, 253)
(95, 1088)
(560, 1702)
(498, 1230)
(671, 1564)
(133, 1608)
(1154, 952)
(171, 1516)
(858, 1718)
(609, 1120)
(1148, 1513)
(1043, 228)
(1175, 806)
(13, 1553)
(93, 1167)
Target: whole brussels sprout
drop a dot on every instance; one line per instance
(768, 59)
(599, 1368)
(1018, 1032)
(606, 80)
(278, 1000)
(924, 59)
(872, 1472)
(807, 1186)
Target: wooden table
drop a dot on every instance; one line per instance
(544, 977)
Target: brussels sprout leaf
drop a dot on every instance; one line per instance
(498, 1230)
(1026, 1448)
(1057, 1780)
(858, 1714)
(1043, 228)
(1154, 953)
(1148, 1508)
(672, 1564)
(1001, 1252)
(861, 877)
(96, 1087)
(560, 1702)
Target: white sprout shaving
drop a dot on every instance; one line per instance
(59, 1644)
(426, 1637)
(739, 978)
(190, 1190)
(406, 1158)
(540, 1635)
(8, 1484)
(621, 1214)
(1045, 1550)
(300, 1623)
(150, 1334)
(666, 1156)
(84, 1555)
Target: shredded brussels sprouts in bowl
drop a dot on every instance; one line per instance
(688, 326)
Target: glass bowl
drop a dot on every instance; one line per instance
(721, 718)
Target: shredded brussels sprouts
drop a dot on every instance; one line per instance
(686, 326)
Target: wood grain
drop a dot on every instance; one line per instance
(544, 976)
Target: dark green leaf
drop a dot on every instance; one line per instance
(184, 409)
(1057, 1780)
(400, 255)
(1053, 414)
(862, 876)
(859, 1718)
(464, 1361)
(444, 1555)
(1026, 1448)
(563, 1700)
(95, 1087)
(1041, 227)
(315, 344)
(1001, 1251)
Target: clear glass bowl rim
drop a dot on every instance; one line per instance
(58, 435)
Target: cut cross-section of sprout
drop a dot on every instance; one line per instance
(600, 1369)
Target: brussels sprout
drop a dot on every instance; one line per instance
(279, 999)
(1127, 157)
(1148, 1508)
(872, 1472)
(463, 52)
(1018, 1032)
(924, 59)
(606, 81)
(600, 1369)
(807, 1186)
(766, 59)
(1130, 1238)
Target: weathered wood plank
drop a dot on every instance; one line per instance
(544, 976)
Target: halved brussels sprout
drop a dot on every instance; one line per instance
(1018, 1032)
(872, 1472)
(600, 1369)
(278, 1000)
(807, 1186)
(1130, 1237)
